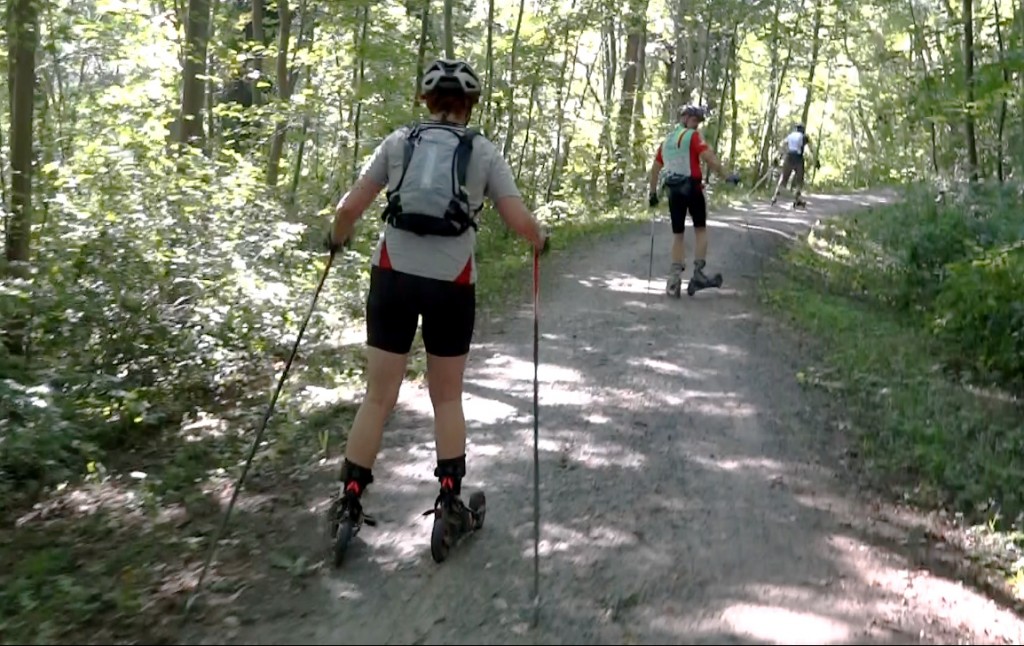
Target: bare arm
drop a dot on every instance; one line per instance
(518, 218)
(711, 159)
(655, 171)
(351, 207)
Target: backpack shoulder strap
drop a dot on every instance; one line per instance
(463, 152)
(409, 145)
(687, 137)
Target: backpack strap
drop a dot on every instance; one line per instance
(410, 145)
(463, 153)
(685, 144)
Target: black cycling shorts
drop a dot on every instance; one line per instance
(687, 197)
(397, 301)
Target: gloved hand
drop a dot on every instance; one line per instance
(652, 198)
(333, 247)
(733, 178)
(547, 244)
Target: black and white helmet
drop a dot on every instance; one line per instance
(444, 74)
(692, 111)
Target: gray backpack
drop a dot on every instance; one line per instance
(430, 197)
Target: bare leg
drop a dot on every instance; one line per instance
(385, 372)
(444, 380)
(678, 249)
(701, 245)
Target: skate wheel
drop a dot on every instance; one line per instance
(690, 289)
(717, 281)
(478, 505)
(341, 540)
(439, 539)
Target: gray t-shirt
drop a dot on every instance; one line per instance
(443, 258)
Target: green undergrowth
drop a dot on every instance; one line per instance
(504, 260)
(915, 309)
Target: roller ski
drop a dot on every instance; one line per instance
(346, 518)
(453, 520)
(699, 281)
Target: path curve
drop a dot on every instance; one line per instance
(683, 498)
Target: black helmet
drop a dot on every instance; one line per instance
(799, 127)
(692, 111)
(444, 74)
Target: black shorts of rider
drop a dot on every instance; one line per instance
(396, 302)
(688, 197)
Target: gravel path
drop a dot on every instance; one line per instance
(685, 494)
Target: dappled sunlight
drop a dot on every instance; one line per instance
(665, 368)
(764, 623)
(343, 590)
(709, 403)
(579, 546)
(203, 426)
(719, 348)
(486, 411)
(605, 456)
(827, 248)
(616, 282)
(696, 405)
(776, 625)
(764, 466)
(507, 370)
(919, 587)
(115, 496)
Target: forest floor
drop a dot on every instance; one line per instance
(691, 489)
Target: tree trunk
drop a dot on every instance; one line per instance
(421, 53)
(488, 108)
(284, 86)
(635, 27)
(22, 42)
(449, 33)
(608, 127)
(815, 50)
(639, 135)
(923, 55)
(210, 86)
(734, 126)
(705, 55)
(972, 144)
(257, 44)
(509, 94)
(562, 97)
(360, 55)
(1002, 104)
(190, 127)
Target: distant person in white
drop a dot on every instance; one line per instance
(793, 147)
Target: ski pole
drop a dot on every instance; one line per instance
(256, 441)
(536, 439)
(650, 263)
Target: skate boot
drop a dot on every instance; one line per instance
(452, 518)
(700, 281)
(346, 515)
(675, 280)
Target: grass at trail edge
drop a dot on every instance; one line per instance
(924, 429)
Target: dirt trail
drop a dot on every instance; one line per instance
(684, 494)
